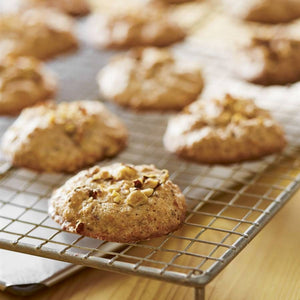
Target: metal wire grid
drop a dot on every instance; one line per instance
(238, 199)
(227, 206)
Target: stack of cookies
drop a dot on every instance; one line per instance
(124, 202)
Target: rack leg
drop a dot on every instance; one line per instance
(200, 293)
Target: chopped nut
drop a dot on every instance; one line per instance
(148, 192)
(150, 176)
(225, 117)
(136, 198)
(105, 174)
(93, 193)
(113, 188)
(79, 227)
(94, 170)
(237, 118)
(102, 175)
(151, 183)
(116, 197)
(165, 176)
(90, 199)
(138, 183)
(96, 177)
(125, 172)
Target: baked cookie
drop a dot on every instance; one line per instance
(264, 11)
(63, 137)
(147, 27)
(42, 33)
(71, 7)
(150, 79)
(174, 1)
(119, 203)
(24, 81)
(269, 60)
(226, 130)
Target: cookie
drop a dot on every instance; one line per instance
(264, 11)
(125, 29)
(24, 81)
(119, 203)
(269, 61)
(71, 7)
(40, 32)
(150, 79)
(225, 130)
(63, 137)
(174, 1)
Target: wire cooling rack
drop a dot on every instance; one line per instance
(227, 205)
(239, 201)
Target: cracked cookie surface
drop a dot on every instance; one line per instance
(24, 81)
(119, 203)
(150, 79)
(264, 11)
(269, 60)
(63, 137)
(38, 32)
(225, 130)
(72, 7)
(151, 26)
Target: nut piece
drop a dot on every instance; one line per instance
(136, 198)
(116, 197)
(151, 183)
(148, 192)
(138, 183)
(237, 117)
(125, 172)
(79, 227)
(165, 176)
(105, 174)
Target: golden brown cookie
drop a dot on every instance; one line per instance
(24, 81)
(174, 1)
(42, 33)
(72, 7)
(264, 11)
(269, 60)
(150, 79)
(63, 137)
(125, 29)
(119, 203)
(226, 130)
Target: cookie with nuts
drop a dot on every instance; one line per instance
(269, 60)
(24, 81)
(150, 79)
(72, 7)
(119, 203)
(151, 26)
(38, 32)
(225, 130)
(264, 11)
(63, 137)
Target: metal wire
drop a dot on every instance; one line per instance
(238, 200)
(227, 205)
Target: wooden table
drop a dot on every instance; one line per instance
(269, 268)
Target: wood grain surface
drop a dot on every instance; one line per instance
(269, 268)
